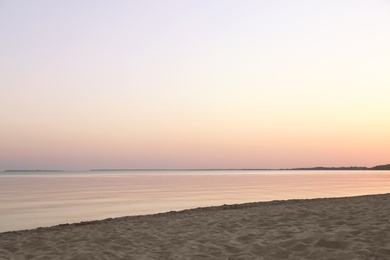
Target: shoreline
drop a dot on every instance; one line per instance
(355, 227)
(193, 210)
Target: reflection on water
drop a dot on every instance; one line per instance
(32, 200)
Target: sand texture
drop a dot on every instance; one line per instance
(337, 228)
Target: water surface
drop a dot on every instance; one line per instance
(30, 200)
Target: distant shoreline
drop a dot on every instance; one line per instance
(384, 167)
(352, 168)
(34, 171)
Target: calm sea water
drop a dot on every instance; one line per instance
(30, 200)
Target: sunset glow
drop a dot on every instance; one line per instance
(194, 84)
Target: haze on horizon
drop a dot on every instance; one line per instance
(194, 84)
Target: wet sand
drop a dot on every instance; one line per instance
(332, 228)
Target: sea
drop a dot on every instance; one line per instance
(39, 199)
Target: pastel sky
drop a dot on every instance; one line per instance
(194, 84)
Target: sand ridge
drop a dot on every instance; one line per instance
(333, 228)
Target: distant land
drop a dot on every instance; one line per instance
(385, 167)
(34, 171)
(352, 168)
(320, 168)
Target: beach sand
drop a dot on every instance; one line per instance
(333, 228)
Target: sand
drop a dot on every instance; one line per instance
(333, 228)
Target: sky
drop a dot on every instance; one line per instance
(194, 84)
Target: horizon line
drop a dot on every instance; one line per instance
(207, 169)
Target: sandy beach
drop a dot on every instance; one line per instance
(332, 228)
